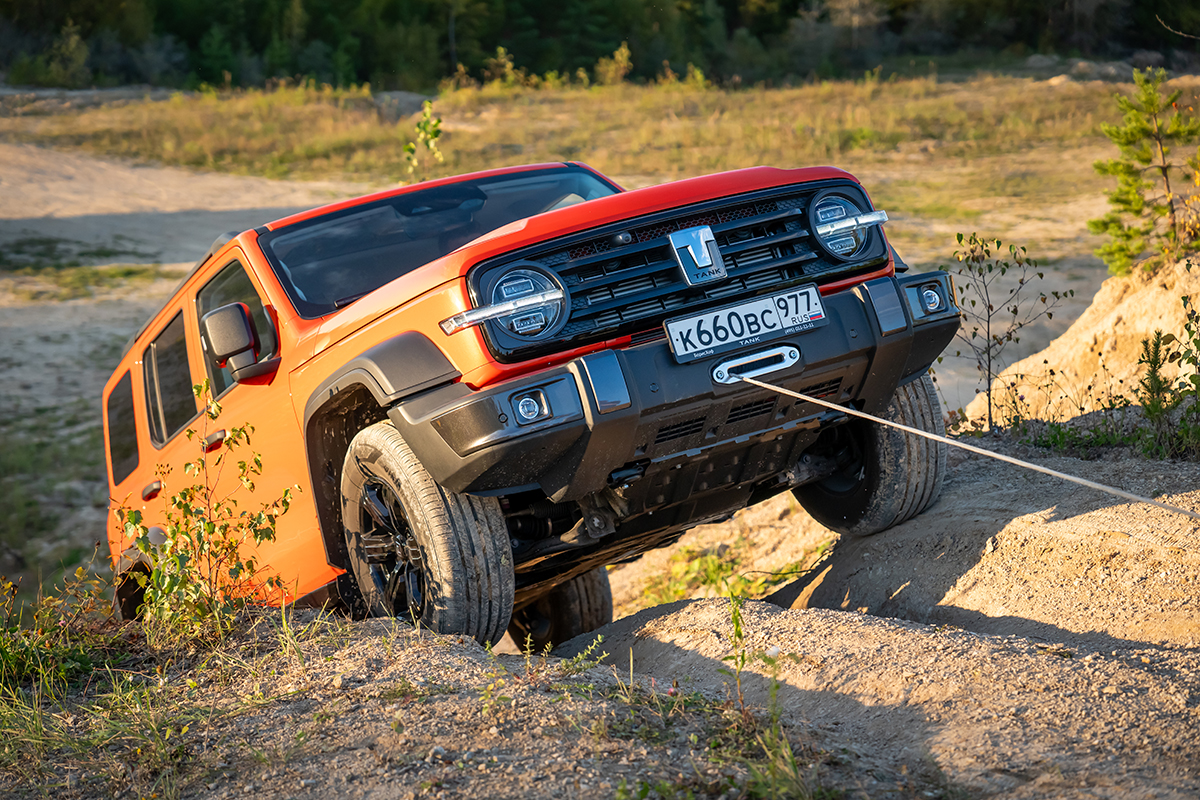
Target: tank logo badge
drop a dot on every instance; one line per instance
(697, 255)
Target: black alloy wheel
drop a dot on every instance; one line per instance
(389, 549)
(417, 551)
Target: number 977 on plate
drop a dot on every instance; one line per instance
(745, 324)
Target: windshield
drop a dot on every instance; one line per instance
(329, 262)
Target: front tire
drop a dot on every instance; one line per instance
(417, 551)
(886, 476)
(579, 606)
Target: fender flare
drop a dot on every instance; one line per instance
(388, 372)
(391, 370)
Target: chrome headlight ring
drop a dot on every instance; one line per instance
(840, 225)
(527, 302)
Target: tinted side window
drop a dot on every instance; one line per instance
(232, 285)
(122, 430)
(169, 382)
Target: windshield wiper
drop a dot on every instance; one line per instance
(348, 299)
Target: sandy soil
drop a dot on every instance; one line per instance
(1022, 638)
(173, 214)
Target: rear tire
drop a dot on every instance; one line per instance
(888, 476)
(579, 606)
(417, 551)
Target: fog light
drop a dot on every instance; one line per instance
(531, 407)
(931, 300)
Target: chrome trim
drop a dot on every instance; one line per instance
(788, 355)
(466, 319)
(857, 222)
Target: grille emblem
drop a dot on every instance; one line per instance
(696, 253)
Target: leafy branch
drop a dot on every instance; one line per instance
(201, 570)
(997, 310)
(428, 129)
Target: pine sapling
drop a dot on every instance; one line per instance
(1149, 215)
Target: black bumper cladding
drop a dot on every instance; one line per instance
(673, 442)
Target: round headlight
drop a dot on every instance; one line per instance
(832, 209)
(534, 320)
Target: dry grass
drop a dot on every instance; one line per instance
(1004, 155)
(660, 131)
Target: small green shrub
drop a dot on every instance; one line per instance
(613, 70)
(428, 129)
(1157, 396)
(61, 637)
(997, 307)
(1172, 410)
(199, 578)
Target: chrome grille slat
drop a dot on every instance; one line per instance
(760, 219)
(763, 241)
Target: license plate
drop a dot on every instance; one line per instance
(752, 322)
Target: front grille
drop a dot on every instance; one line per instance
(750, 410)
(612, 286)
(679, 430)
(618, 289)
(825, 390)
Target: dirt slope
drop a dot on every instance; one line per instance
(998, 715)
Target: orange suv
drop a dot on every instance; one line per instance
(492, 386)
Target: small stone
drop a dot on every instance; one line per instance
(493, 730)
(338, 681)
(437, 752)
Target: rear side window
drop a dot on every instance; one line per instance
(171, 403)
(122, 430)
(232, 285)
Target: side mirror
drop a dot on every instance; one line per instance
(232, 341)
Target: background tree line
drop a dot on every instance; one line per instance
(412, 44)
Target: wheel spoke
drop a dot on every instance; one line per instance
(379, 513)
(414, 589)
(391, 549)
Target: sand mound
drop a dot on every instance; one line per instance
(1096, 360)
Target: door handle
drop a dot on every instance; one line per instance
(213, 440)
(151, 490)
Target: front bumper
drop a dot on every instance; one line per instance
(669, 434)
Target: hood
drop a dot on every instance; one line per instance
(551, 225)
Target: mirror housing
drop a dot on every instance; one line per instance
(232, 340)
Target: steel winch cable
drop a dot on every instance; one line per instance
(1100, 487)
